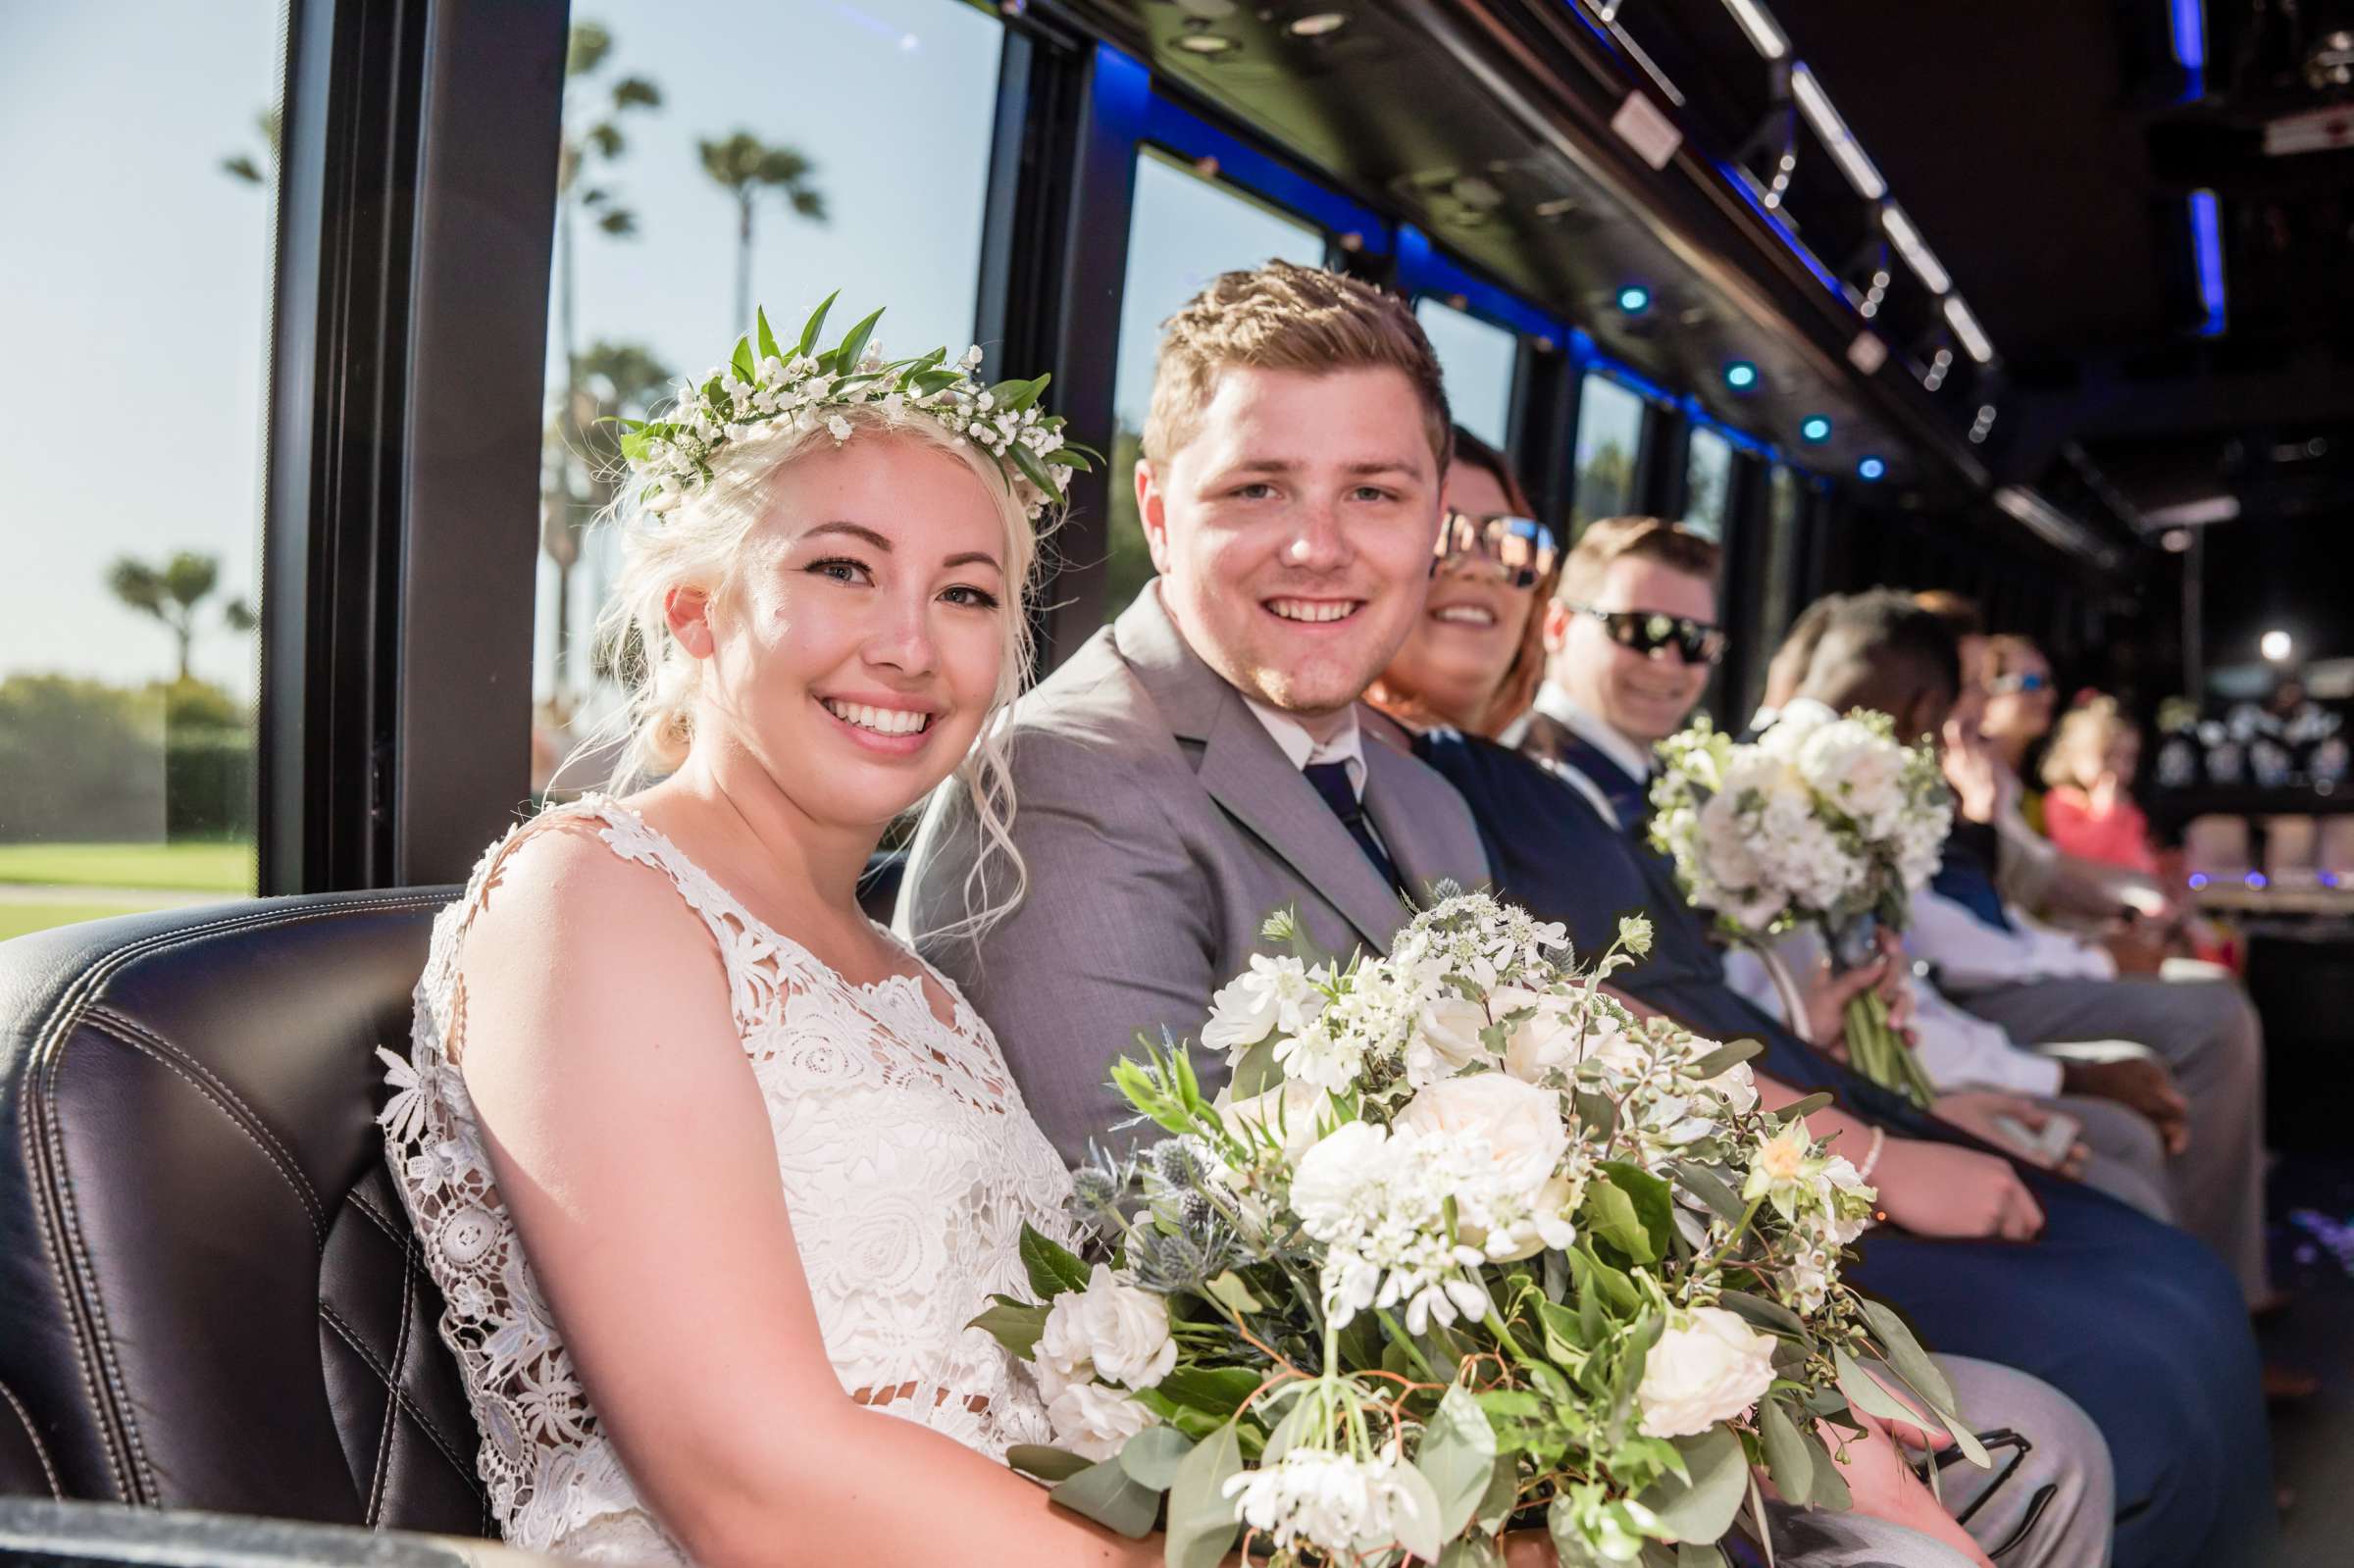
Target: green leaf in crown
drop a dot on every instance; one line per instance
(762, 392)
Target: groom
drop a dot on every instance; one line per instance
(1198, 764)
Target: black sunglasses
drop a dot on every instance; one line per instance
(1647, 631)
(1523, 547)
(2029, 680)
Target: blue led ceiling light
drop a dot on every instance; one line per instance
(1871, 467)
(1814, 430)
(1740, 375)
(2207, 254)
(1634, 299)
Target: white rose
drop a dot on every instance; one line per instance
(1710, 1368)
(1273, 994)
(1288, 1114)
(1093, 1422)
(1545, 1040)
(1112, 1330)
(1519, 1125)
(1446, 1039)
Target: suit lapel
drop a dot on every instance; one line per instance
(1247, 774)
(1425, 850)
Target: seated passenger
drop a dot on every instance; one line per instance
(1171, 794)
(2137, 1322)
(1881, 651)
(2088, 809)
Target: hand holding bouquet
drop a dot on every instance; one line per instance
(1826, 820)
(1465, 1246)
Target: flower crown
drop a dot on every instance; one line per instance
(759, 396)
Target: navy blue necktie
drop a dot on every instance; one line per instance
(1331, 779)
(1629, 796)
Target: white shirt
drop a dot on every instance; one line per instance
(1955, 1048)
(1972, 955)
(1300, 748)
(1558, 707)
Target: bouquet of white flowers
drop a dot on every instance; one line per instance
(1464, 1246)
(1827, 819)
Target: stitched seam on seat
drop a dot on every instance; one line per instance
(57, 1488)
(60, 1227)
(253, 1119)
(400, 1358)
(408, 1406)
(83, 1303)
(101, 1022)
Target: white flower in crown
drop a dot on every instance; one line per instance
(763, 392)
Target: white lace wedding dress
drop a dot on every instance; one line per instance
(909, 1165)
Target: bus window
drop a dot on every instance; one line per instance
(691, 191)
(1184, 232)
(1480, 360)
(1707, 483)
(1610, 443)
(134, 301)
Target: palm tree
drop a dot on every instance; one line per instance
(171, 593)
(591, 142)
(615, 380)
(242, 166)
(746, 166)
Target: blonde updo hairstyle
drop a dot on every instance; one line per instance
(697, 544)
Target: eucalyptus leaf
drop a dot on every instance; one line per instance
(1804, 1108)
(1054, 1268)
(1203, 1520)
(1830, 1486)
(1703, 1508)
(1152, 1456)
(1502, 1496)
(1712, 1190)
(1048, 1464)
(1771, 1316)
(1906, 1356)
(1724, 1059)
(1229, 1290)
(1596, 1112)
(1105, 1493)
(1457, 1456)
(1418, 1528)
(1786, 1458)
(1865, 1393)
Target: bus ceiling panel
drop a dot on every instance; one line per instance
(1487, 127)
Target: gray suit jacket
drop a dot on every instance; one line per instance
(1160, 825)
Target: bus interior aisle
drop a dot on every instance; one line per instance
(332, 326)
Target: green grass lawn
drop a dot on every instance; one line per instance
(18, 920)
(225, 868)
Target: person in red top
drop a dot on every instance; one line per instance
(2089, 811)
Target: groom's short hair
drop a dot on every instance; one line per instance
(1288, 318)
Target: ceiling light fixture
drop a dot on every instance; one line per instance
(1916, 252)
(1762, 29)
(1317, 24)
(1740, 375)
(1844, 150)
(2207, 253)
(1870, 470)
(1965, 327)
(2277, 645)
(1814, 430)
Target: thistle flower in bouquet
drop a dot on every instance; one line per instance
(1826, 820)
(1463, 1245)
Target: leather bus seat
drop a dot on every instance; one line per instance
(210, 1296)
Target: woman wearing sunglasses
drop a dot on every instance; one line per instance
(1473, 660)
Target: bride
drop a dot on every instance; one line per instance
(710, 1171)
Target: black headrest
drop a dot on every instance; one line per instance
(209, 1293)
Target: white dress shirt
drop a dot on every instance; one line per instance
(1301, 748)
(1972, 955)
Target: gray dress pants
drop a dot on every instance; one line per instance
(2047, 1502)
(2209, 1034)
